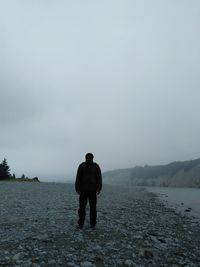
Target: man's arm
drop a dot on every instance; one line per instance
(99, 179)
(78, 177)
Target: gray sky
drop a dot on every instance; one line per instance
(117, 78)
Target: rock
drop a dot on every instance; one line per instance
(188, 210)
(128, 262)
(97, 247)
(42, 252)
(134, 255)
(16, 257)
(52, 262)
(41, 237)
(146, 253)
(44, 238)
(87, 264)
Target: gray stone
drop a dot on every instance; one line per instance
(16, 257)
(52, 262)
(128, 262)
(147, 253)
(134, 255)
(41, 237)
(87, 264)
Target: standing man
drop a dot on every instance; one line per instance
(88, 185)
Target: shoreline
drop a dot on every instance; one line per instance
(185, 200)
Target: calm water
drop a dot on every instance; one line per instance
(181, 198)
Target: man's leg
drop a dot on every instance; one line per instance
(93, 211)
(82, 205)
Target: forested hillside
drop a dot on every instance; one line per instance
(179, 173)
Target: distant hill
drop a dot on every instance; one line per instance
(178, 174)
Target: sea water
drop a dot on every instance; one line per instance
(186, 200)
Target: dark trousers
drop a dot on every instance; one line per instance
(83, 199)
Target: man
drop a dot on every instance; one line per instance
(88, 185)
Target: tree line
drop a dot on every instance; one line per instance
(5, 174)
(177, 173)
(170, 169)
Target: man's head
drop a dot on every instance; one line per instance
(89, 158)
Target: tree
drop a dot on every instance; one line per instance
(1, 172)
(4, 170)
(23, 176)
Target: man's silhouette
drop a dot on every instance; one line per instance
(88, 185)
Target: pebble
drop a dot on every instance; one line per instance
(16, 257)
(52, 262)
(36, 265)
(87, 264)
(128, 262)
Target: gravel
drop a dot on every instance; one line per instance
(38, 227)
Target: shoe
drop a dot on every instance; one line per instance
(92, 227)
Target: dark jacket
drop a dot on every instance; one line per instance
(88, 178)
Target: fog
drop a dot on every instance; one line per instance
(119, 79)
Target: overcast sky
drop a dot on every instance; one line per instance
(120, 79)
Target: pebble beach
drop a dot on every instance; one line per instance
(38, 227)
